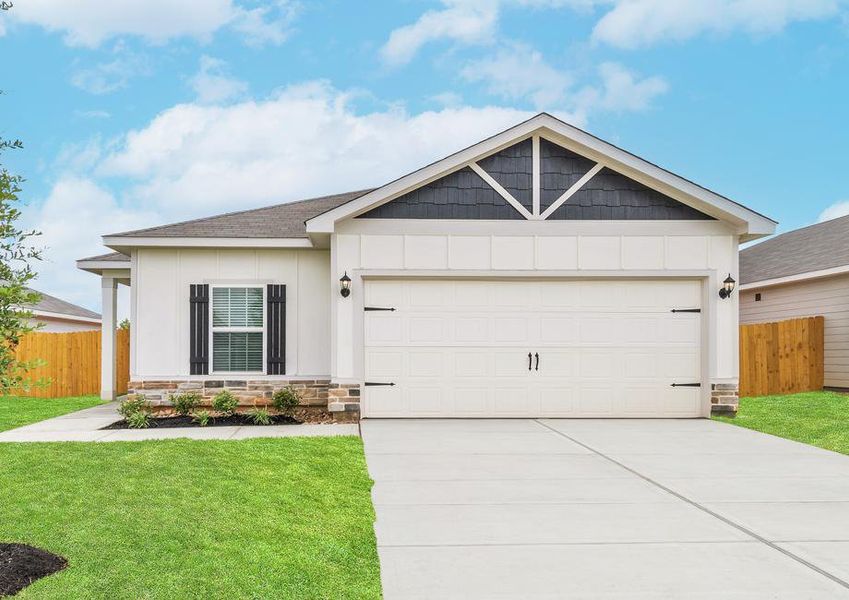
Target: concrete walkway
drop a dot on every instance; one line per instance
(85, 426)
(605, 509)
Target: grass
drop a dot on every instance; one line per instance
(266, 518)
(16, 411)
(816, 418)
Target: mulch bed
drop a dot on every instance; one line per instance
(21, 564)
(232, 421)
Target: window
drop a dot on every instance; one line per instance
(237, 329)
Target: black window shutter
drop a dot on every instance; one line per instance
(275, 318)
(199, 329)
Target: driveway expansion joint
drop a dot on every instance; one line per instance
(704, 509)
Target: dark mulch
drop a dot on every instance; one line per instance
(233, 421)
(20, 565)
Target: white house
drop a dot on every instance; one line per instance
(54, 315)
(540, 272)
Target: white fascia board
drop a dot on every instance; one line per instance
(749, 224)
(794, 278)
(124, 243)
(324, 223)
(65, 317)
(116, 270)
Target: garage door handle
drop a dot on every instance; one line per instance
(686, 385)
(537, 357)
(530, 358)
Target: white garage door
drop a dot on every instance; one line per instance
(579, 348)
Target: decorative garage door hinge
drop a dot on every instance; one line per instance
(371, 383)
(367, 308)
(691, 310)
(681, 385)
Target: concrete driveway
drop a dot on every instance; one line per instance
(605, 509)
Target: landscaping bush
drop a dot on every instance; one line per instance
(202, 417)
(186, 402)
(260, 416)
(225, 403)
(286, 400)
(135, 403)
(138, 420)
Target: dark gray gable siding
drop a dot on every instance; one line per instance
(612, 196)
(460, 195)
(513, 169)
(560, 169)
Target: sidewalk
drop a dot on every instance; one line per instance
(85, 426)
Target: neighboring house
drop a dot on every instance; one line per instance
(540, 272)
(57, 316)
(803, 273)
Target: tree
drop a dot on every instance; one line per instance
(16, 256)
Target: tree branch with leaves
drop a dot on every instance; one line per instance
(17, 256)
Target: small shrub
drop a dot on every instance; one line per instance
(260, 416)
(202, 417)
(138, 420)
(286, 400)
(135, 403)
(186, 402)
(225, 403)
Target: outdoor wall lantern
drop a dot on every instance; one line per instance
(727, 287)
(345, 285)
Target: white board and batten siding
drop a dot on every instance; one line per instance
(579, 255)
(827, 297)
(162, 277)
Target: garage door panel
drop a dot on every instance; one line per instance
(460, 348)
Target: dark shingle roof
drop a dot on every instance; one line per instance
(109, 257)
(278, 221)
(813, 248)
(49, 303)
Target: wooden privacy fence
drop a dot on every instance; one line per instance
(72, 362)
(784, 357)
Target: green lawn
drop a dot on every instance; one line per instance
(16, 411)
(816, 418)
(267, 518)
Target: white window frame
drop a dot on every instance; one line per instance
(213, 329)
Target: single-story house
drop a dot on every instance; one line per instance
(54, 315)
(803, 273)
(539, 272)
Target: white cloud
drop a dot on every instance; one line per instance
(307, 140)
(519, 72)
(636, 23)
(113, 75)
(71, 218)
(622, 90)
(212, 84)
(463, 21)
(838, 209)
(91, 22)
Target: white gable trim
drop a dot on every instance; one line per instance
(754, 285)
(501, 191)
(748, 223)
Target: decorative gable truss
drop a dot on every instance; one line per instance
(535, 179)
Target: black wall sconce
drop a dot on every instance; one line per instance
(345, 285)
(727, 287)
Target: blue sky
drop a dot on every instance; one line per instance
(135, 113)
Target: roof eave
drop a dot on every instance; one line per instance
(748, 223)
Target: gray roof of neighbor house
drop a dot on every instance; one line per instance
(278, 221)
(53, 304)
(813, 248)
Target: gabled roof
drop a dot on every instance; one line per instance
(60, 308)
(748, 223)
(278, 221)
(116, 257)
(811, 249)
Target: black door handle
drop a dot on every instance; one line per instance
(537, 357)
(529, 361)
